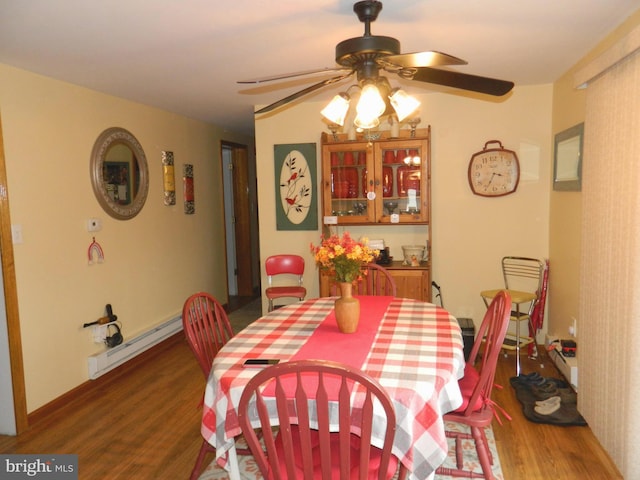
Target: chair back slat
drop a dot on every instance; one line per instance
(522, 273)
(491, 335)
(206, 328)
(305, 392)
(374, 280)
(270, 461)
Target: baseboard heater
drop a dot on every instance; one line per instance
(103, 362)
(568, 366)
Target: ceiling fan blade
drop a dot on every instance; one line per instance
(304, 92)
(421, 59)
(283, 76)
(464, 81)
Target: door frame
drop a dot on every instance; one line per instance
(11, 300)
(245, 218)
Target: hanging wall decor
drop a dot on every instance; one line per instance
(169, 179)
(95, 252)
(295, 181)
(187, 180)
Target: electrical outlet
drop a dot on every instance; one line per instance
(99, 333)
(573, 328)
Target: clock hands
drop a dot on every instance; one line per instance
(493, 175)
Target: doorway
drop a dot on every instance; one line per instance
(241, 222)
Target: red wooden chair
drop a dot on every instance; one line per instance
(207, 329)
(477, 409)
(305, 445)
(284, 265)
(375, 280)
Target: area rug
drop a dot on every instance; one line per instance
(249, 469)
(566, 415)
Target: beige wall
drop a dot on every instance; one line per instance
(152, 262)
(566, 207)
(470, 233)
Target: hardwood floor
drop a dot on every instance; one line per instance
(535, 451)
(143, 423)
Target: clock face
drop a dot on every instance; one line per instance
(493, 173)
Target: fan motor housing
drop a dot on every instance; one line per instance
(350, 52)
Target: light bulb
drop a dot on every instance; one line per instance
(402, 103)
(370, 107)
(366, 123)
(336, 110)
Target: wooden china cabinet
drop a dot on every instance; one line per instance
(380, 181)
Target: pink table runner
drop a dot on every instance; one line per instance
(328, 343)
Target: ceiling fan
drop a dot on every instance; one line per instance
(366, 56)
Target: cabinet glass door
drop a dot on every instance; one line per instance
(403, 182)
(350, 178)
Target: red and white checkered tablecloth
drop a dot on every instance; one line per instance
(416, 356)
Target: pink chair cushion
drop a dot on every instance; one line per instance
(374, 461)
(467, 385)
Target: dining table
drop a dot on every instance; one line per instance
(414, 349)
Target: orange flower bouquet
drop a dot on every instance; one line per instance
(343, 257)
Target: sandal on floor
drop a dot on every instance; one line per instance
(547, 409)
(549, 401)
(544, 391)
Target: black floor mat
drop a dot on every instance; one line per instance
(567, 415)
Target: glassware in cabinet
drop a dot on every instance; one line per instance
(345, 191)
(407, 200)
(380, 181)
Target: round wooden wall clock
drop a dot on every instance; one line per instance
(494, 172)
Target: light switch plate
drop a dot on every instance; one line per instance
(16, 234)
(94, 225)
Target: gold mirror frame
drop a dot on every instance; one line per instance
(107, 139)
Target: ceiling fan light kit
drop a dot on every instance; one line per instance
(371, 105)
(403, 103)
(336, 110)
(365, 56)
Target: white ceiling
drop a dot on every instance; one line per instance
(186, 56)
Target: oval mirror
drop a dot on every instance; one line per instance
(119, 173)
